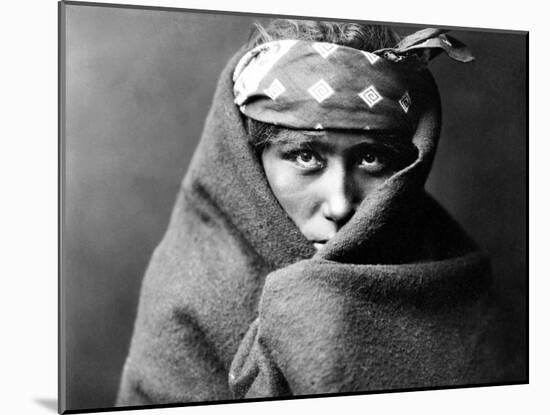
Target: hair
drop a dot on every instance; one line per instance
(360, 36)
(355, 35)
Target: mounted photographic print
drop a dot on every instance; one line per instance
(259, 207)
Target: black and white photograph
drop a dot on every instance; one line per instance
(263, 207)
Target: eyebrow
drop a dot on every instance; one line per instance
(294, 138)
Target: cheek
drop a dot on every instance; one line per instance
(365, 185)
(292, 190)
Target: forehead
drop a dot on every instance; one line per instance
(339, 138)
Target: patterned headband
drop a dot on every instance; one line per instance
(317, 85)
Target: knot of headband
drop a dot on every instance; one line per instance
(318, 85)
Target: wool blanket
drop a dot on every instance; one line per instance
(236, 303)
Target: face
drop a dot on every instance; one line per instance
(321, 177)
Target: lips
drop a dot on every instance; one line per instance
(318, 244)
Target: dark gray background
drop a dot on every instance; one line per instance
(138, 86)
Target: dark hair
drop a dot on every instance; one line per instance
(365, 37)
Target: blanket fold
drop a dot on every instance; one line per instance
(327, 327)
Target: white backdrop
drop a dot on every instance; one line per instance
(29, 205)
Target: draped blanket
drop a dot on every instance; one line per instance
(236, 303)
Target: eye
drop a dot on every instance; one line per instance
(306, 159)
(371, 162)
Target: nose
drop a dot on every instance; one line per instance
(338, 195)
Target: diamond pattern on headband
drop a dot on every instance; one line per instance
(325, 49)
(405, 102)
(275, 89)
(371, 96)
(371, 57)
(319, 126)
(254, 66)
(321, 90)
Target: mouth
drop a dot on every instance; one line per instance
(318, 244)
